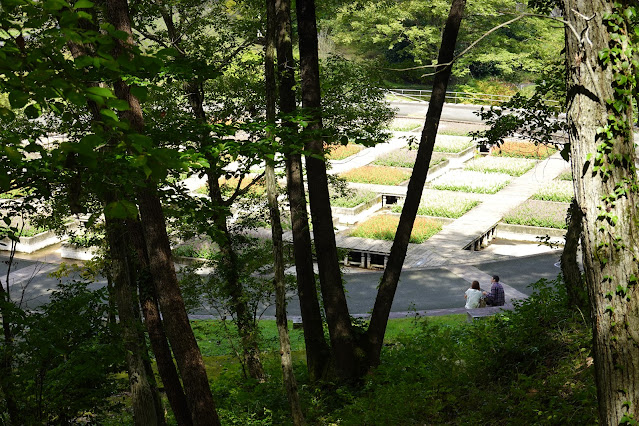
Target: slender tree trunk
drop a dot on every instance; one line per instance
(246, 326)
(144, 409)
(178, 328)
(157, 336)
(317, 351)
(388, 285)
(337, 315)
(603, 155)
(288, 377)
(575, 286)
(6, 350)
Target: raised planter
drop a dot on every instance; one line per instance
(31, 244)
(348, 215)
(529, 233)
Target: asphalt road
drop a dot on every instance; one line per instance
(418, 289)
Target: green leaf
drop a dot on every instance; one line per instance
(83, 4)
(7, 114)
(100, 91)
(18, 99)
(118, 104)
(109, 114)
(32, 111)
(121, 210)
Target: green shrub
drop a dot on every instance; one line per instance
(538, 213)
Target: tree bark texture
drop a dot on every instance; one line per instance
(317, 351)
(337, 316)
(155, 328)
(575, 286)
(606, 190)
(144, 409)
(288, 377)
(388, 285)
(178, 328)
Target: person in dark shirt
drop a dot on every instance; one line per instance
(496, 297)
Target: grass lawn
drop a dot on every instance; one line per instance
(380, 175)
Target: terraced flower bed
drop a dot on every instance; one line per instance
(547, 214)
(524, 150)
(341, 152)
(379, 175)
(557, 190)
(492, 164)
(383, 227)
(406, 158)
(443, 204)
(353, 199)
(452, 144)
(405, 125)
(471, 181)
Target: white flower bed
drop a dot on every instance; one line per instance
(449, 143)
(405, 124)
(509, 166)
(470, 181)
(443, 204)
(557, 190)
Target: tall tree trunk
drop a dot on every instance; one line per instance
(388, 285)
(606, 188)
(317, 351)
(153, 322)
(178, 328)
(144, 407)
(575, 286)
(288, 377)
(337, 315)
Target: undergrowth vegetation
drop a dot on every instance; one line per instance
(529, 366)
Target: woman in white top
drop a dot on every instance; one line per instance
(472, 295)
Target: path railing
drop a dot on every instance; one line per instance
(458, 97)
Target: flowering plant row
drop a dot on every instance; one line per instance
(443, 204)
(509, 166)
(471, 181)
(406, 158)
(557, 190)
(353, 198)
(538, 213)
(383, 227)
(524, 150)
(340, 152)
(379, 175)
(454, 144)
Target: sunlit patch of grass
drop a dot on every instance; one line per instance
(379, 175)
(383, 227)
(353, 198)
(405, 124)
